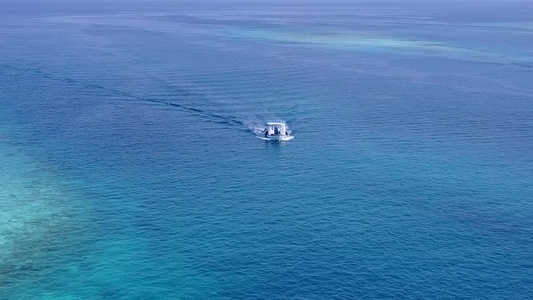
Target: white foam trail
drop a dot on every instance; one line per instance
(254, 125)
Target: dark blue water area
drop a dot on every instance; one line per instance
(131, 169)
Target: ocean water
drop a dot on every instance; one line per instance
(130, 167)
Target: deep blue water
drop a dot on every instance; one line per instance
(130, 167)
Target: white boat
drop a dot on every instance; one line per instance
(276, 131)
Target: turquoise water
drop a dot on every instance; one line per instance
(131, 170)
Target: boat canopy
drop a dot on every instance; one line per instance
(275, 123)
(276, 128)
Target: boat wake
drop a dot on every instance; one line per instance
(255, 126)
(252, 124)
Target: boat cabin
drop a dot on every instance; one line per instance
(276, 128)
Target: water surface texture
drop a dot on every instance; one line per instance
(130, 167)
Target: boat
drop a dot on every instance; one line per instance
(276, 131)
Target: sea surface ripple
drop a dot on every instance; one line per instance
(130, 167)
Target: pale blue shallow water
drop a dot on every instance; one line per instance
(130, 169)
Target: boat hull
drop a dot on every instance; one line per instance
(280, 138)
